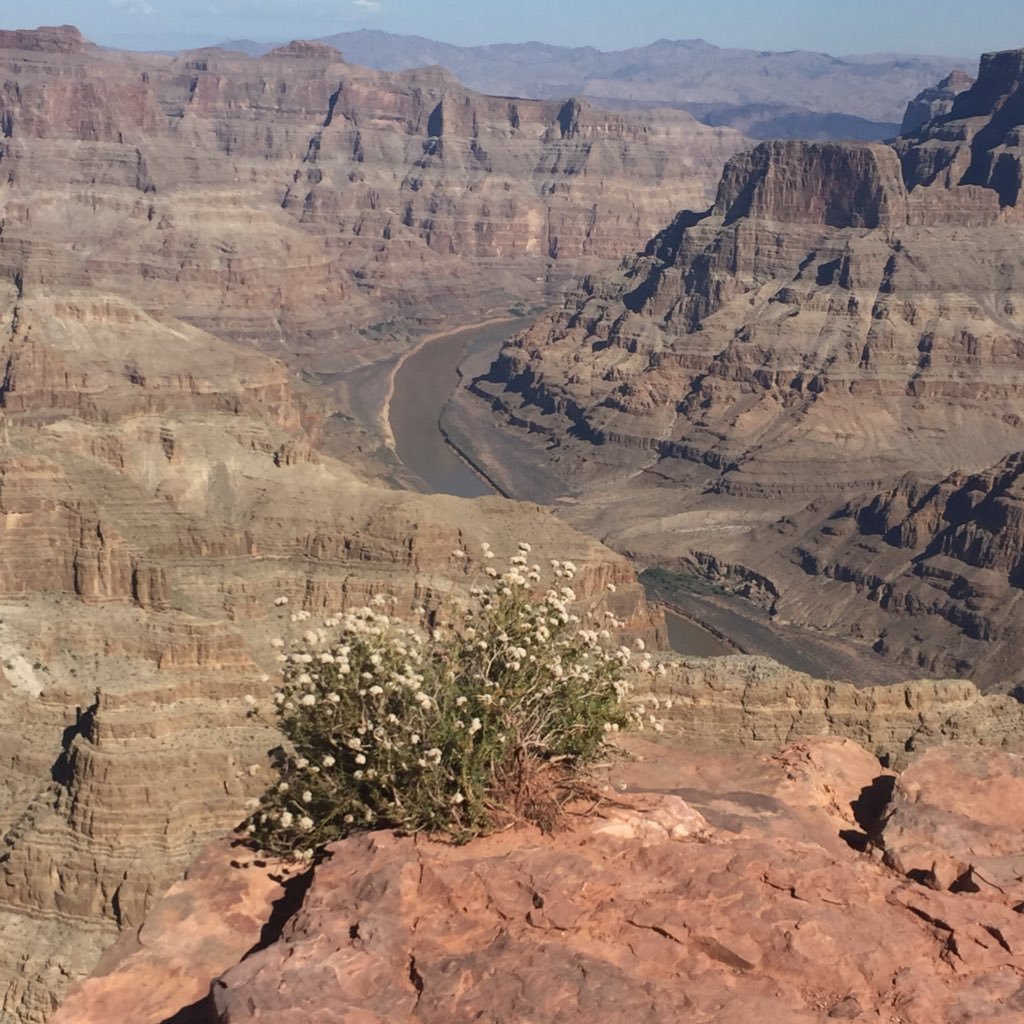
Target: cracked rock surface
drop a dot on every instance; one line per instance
(705, 889)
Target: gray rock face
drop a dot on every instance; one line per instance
(935, 101)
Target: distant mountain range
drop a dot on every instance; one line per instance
(795, 94)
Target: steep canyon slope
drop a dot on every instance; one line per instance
(291, 199)
(177, 238)
(158, 491)
(844, 314)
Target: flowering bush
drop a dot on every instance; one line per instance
(486, 716)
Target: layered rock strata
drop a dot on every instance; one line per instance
(842, 315)
(743, 702)
(164, 223)
(290, 199)
(159, 488)
(928, 572)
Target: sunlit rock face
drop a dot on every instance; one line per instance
(290, 197)
(843, 314)
(708, 896)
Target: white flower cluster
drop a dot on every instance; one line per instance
(400, 727)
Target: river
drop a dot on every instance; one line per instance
(423, 383)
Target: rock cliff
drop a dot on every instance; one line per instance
(801, 887)
(842, 315)
(289, 198)
(935, 101)
(743, 702)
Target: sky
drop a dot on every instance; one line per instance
(947, 27)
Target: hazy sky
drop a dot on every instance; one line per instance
(948, 27)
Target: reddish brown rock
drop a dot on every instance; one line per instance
(203, 925)
(956, 820)
(645, 911)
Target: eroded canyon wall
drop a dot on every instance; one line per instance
(843, 315)
(285, 199)
(173, 233)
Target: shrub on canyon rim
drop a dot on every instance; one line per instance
(491, 715)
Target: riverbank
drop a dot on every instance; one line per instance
(453, 442)
(420, 384)
(384, 416)
(745, 629)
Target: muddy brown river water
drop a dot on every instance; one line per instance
(423, 384)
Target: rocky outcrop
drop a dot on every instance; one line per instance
(743, 702)
(47, 39)
(823, 184)
(754, 896)
(200, 928)
(935, 101)
(922, 829)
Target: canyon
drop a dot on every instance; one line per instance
(210, 266)
(194, 252)
(843, 315)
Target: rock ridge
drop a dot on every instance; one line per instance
(935, 101)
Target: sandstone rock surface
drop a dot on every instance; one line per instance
(203, 925)
(923, 828)
(742, 895)
(744, 702)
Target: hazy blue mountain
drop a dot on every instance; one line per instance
(796, 93)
